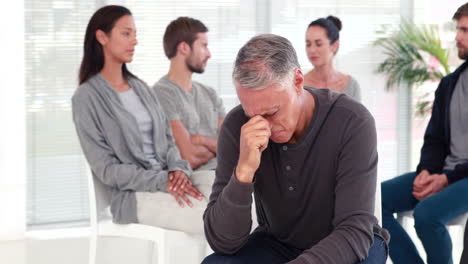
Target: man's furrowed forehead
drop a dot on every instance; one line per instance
(263, 110)
(259, 101)
(261, 113)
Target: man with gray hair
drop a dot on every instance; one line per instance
(310, 158)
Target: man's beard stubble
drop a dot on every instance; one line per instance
(462, 52)
(194, 68)
(463, 55)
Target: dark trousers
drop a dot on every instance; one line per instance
(264, 248)
(430, 217)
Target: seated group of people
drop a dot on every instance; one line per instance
(309, 155)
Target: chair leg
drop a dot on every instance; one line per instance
(157, 253)
(152, 252)
(400, 219)
(161, 252)
(93, 249)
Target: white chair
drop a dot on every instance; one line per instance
(457, 224)
(102, 225)
(459, 221)
(378, 203)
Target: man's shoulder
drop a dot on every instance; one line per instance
(203, 87)
(448, 82)
(456, 73)
(352, 109)
(350, 104)
(232, 124)
(164, 87)
(236, 117)
(334, 101)
(340, 105)
(164, 83)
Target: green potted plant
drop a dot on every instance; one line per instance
(414, 55)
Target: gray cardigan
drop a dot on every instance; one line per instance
(112, 144)
(353, 89)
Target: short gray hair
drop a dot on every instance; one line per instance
(263, 60)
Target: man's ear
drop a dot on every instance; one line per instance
(184, 48)
(298, 80)
(101, 37)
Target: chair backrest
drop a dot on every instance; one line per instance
(99, 198)
(459, 221)
(378, 203)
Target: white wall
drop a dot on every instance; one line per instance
(12, 120)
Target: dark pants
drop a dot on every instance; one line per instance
(264, 248)
(430, 217)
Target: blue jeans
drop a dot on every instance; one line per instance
(430, 217)
(264, 248)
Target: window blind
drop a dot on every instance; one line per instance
(56, 178)
(56, 186)
(57, 189)
(362, 23)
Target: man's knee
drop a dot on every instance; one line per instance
(386, 196)
(211, 259)
(397, 192)
(221, 259)
(378, 252)
(424, 217)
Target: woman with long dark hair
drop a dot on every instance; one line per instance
(124, 133)
(322, 43)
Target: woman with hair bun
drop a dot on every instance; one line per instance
(322, 43)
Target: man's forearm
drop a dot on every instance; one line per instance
(210, 143)
(460, 172)
(228, 218)
(347, 244)
(199, 156)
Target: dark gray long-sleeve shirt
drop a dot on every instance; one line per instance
(316, 194)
